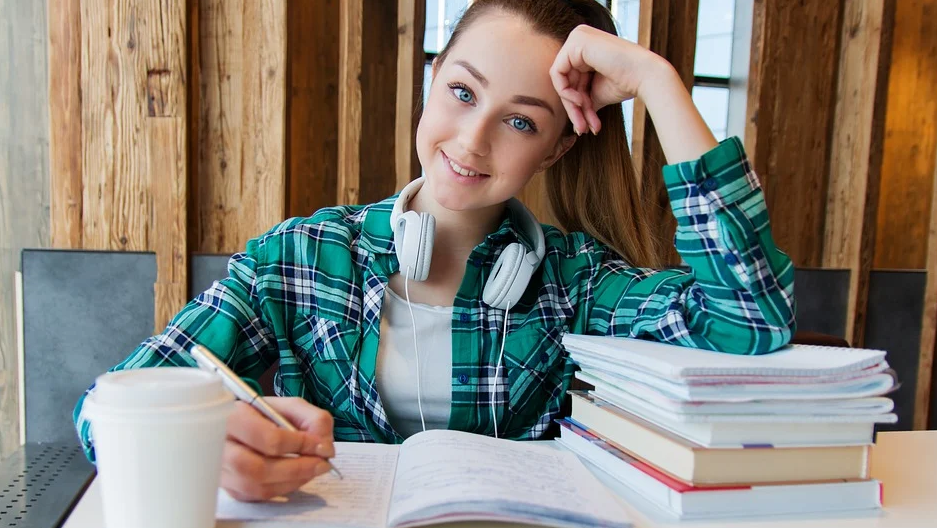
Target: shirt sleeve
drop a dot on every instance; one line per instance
(225, 319)
(738, 294)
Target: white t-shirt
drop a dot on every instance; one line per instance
(396, 364)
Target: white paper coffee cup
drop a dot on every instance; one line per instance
(158, 436)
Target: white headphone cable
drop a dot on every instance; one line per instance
(494, 416)
(416, 350)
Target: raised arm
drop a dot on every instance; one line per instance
(738, 295)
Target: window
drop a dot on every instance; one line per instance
(713, 63)
(713, 51)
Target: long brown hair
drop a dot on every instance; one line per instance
(593, 187)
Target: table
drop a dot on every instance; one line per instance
(906, 462)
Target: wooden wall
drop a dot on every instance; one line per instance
(791, 94)
(910, 139)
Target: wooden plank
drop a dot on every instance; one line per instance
(856, 150)
(24, 180)
(167, 147)
(349, 101)
(312, 118)
(789, 116)
(910, 139)
(668, 28)
(411, 60)
(194, 122)
(65, 122)
(242, 105)
(115, 203)
(925, 373)
(166, 133)
(377, 155)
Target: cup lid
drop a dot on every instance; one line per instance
(157, 388)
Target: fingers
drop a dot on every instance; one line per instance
(249, 427)
(587, 107)
(247, 475)
(304, 415)
(571, 78)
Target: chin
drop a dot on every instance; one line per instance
(451, 196)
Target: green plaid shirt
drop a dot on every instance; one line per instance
(309, 294)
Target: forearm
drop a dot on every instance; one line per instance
(683, 134)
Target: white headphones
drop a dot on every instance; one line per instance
(413, 238)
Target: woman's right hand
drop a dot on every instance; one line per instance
(262, 461)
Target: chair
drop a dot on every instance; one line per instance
(83, 312)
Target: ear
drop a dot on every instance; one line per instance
(565, 143)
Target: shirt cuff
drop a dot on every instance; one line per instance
(720, 177)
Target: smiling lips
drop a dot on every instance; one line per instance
(458, 169)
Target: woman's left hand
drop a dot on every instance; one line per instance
(594, 69)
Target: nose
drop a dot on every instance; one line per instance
(473, 137)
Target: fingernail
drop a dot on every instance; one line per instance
(325, 450)
(592, 130)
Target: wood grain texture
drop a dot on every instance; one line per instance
(312, 116)
(349, 101)
(242, 136)
(910, 139)
(856, 150)
(115, 195)
(411, 58)
(24, 180)
(167, 158)
(166, 134)
(791, 97)
(925, 378)
(377, 150)
(668, 28)
(64, 27)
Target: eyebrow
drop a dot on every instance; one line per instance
(519, 99)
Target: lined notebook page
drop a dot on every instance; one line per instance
(360, 500)
(460, 475)
(680, 362)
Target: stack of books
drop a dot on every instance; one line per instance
(704, 434)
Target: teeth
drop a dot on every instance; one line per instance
(460, 170)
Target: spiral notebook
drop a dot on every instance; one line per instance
(676, 362)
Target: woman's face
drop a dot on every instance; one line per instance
(493, 118)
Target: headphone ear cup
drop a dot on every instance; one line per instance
(411, 233)
(501, 284)
(425, 255)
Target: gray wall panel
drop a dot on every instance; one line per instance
(204, 270)
(822, 295)
(84, 312)
(893, 324)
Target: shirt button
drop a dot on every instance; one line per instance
(710, 184)
(319, 346)
(544, 357)
(464, 317)
(477, 262)
(463, 379)
(731, 259)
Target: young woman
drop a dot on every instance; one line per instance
(444, 307)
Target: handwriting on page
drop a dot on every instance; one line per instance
(447, 466)
(360, 500)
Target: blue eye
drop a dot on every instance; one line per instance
(521, 124)
(462, 94)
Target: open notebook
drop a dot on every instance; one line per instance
(443, 476)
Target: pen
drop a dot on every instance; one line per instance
(242, 391)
